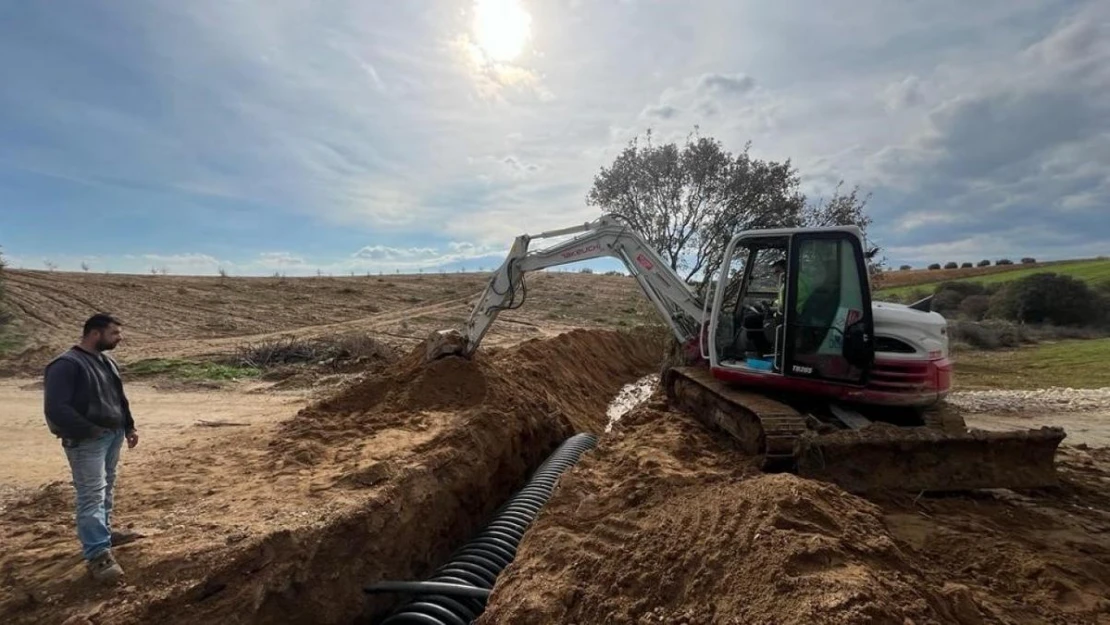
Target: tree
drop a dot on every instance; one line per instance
(84, 266)
(1028, 261)
(934, 266)
(984, 263)
(950, 265)
(965, 265)
(905, 267)
(688, 201)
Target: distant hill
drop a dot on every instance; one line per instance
(898, 284)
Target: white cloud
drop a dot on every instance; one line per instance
(903, 94)
(280, 260)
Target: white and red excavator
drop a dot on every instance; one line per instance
(789, 355)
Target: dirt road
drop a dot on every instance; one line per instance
(1090, 428)
(165, 418)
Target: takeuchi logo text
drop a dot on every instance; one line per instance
(580, 251)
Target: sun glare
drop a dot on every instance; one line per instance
(501, 28)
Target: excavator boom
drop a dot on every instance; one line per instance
(676, 303)
(784, 424)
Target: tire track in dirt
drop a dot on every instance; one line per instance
(371, 323)
(30, 303)
(64, 300)
(66, 296)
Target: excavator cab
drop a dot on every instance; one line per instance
(793, 304)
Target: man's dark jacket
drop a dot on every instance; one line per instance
(84, 396)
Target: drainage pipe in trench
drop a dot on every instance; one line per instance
(457, 592)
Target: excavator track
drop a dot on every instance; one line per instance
(761, 426)
(941, 455)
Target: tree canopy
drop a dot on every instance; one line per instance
(688, 201)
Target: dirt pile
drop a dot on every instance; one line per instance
(666, 523)
(570, 379)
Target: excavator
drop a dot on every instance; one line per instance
(789, 357)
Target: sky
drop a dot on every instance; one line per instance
(338, 136)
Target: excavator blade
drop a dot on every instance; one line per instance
(940, 456)
(888, 457)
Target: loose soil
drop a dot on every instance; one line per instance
(287, 523)
(667, 523)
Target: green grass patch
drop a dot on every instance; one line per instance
(1092, 272)
(188, 370)
(1072, 363)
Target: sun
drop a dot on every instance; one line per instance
(501, 28)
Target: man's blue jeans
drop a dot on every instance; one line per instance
(93, 464)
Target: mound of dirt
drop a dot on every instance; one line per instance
(568, 379)
(666, 523)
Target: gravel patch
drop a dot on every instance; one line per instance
(1056, 399)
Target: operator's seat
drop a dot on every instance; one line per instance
(816, 319)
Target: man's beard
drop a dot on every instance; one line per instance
(103, 345)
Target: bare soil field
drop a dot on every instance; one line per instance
(313, 489)
(198, 317)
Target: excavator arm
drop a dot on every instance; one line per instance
(675, 301)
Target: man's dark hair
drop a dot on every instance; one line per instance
(99, 321)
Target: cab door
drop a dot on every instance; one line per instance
(829, 332)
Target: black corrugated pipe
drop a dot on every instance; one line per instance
(457, 592)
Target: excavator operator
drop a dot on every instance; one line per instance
(804, 287)
(779, 267)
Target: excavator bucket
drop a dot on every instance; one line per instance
(942, 455)
(444, 343)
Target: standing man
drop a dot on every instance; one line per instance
(87, 409)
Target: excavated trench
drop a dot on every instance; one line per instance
(424, 456)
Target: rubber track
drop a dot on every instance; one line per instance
(762, 426)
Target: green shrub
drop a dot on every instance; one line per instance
(975, 307)
(950, 265)
(984, 263)
(1049, 298)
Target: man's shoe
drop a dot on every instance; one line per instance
(104, 568)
